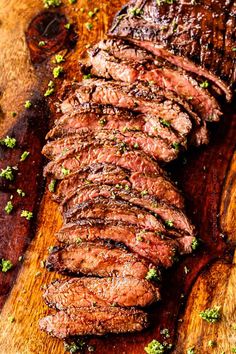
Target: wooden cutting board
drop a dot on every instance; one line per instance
(207, 177)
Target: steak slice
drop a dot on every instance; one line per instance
(189, 36)
(125, 121)
(103, 63)
(88, 292)
(93, 321)
(154, 246)
(155, 185)
(156, 147)
(133, 160)
(97, 259)
(137, 97)
(114, 210)
(166, 212)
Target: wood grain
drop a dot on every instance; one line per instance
(208, 180)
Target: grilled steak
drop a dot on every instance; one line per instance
(114, 210)
(196, 44)
(102, 63)
(87, 292)
(154, 185)
(153, 146)
(158, 248)
(137, 97)
(133, 160)
(166, 212)
(98, 259)
(93, 321)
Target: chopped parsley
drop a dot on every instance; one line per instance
(191, 350)
(9, 142)
(68, 26)
(9, 207)
(51, 3)
(211, 315)
(139, 238)
(42, 43)
(74, 347)
(135, 11)
(136, 146)
(89, 26)
(234, 49)
(176, 146)
(86, 77)
(26, 214)
(103, 121)
(50, 90)
(14, 114)
(152, 274)
(24, 156)
(51, 186)
(211, 343)
(5, 265)
(195, 244)
(7, 173)
(65, 171)
(169, 2)
(59, 58)
(20, 192)
(11, 319)
(164, 123)
(57, 71)
(78, 240)
(28, 104)
(155, 347)
(143, 193)
(169, 223)
(234, 350)
(204, 84)
(72, 2)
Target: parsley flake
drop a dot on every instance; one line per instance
(9, 207)
(5, 265)
(155, 347)
(211, 315)
(26, 214)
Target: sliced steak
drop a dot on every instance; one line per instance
(166, 212)
(97, 259)
(137, 97)
(88, 292)
(103, 63)
(114, 210)
(190, 36)
(155, 185)
(133, 160)
(93, 321)
(156, 147)
(158, 248)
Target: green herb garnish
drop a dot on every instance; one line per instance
(68, 26)
(42, 43)
(169, 223)
(89, 26)
(20, 192)
(195, 244)
(74, 347)
(57, 71)
(51, 186)
(164, 123)
(59, 58)
(24, 156)
(51, 3)
(211, 315)
(191, 350)
(50, 90)
(7, 173)
(204, 84)
(9, 142)
(65, 171)
(5, 265)
(9, 207)
(176, 146)
(26, 214)
(152, 274)
(28, 104)
(86, 77)
(155, 347)
(135, 11)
